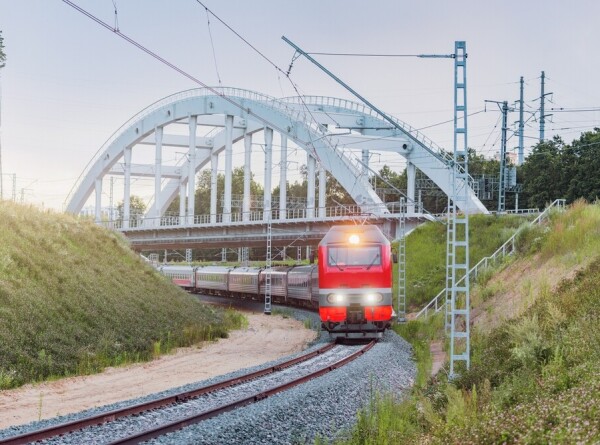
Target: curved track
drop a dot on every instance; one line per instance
(255, 395)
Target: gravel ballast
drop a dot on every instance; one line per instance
(324, 407)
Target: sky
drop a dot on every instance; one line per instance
(69, 83)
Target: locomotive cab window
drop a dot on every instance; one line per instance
(354, 256)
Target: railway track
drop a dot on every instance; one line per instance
(187, 408)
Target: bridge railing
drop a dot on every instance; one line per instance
(439, 301)
(360, 212)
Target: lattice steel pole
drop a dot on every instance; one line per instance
(401, 317)
(268, 266)
(459, 224)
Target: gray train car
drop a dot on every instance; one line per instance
(181, 275)
(314, 288)
(300, 284)
(244, 281)
(213, 280)
(278, 283)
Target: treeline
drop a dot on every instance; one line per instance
(555, 169)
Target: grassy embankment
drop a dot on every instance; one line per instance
(534, 374)
(75, 299)
(426, 253)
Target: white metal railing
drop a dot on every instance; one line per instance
(438, 302)
(139, 222)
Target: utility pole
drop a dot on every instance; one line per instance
(543, 115)
(520, 157)
(503, 172)
(502, 184)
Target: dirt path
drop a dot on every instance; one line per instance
(265, 339)
(438, 356)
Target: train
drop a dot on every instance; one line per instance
(351, 286)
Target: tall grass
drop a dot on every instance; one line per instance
(75, 299)
(533, 379)
(426, 252)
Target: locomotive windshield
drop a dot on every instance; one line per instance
(354, 256)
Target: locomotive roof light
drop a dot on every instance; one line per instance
(354, 239)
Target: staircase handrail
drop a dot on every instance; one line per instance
(503, 251)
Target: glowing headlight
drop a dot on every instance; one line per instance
(374, 298)
(335, 298)
(354, 239)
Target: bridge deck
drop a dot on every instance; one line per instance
(285, 233)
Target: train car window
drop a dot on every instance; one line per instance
(354, 256)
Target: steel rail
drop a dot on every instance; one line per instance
(196, 418)
(68, 427)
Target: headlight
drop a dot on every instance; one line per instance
(374, 298)
(335, 298)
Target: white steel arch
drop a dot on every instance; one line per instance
(238, 114)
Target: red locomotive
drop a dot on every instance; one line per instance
(355, 281)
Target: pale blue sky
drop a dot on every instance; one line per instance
(69, 83)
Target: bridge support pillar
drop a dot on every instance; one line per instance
(181, 203)
(127, 188)
(192, 170)
(228, 168)
(247, 176)
(411, 173)
(322, 190)
(98, 209)
(268, 173)
(214, 165)
(158, 173)
(310, 191)
(283, 179)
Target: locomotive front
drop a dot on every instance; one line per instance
(355, 281)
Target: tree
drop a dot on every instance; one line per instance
(387, 182)
(137, 208)
(581, 163)
(203, 191)
(542, 173)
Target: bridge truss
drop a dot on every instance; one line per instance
(336, 134)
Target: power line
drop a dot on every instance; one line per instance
(371, 55)
(212, 44)
(240, 36)
(575, 110)
(451, 120)
(172, 66)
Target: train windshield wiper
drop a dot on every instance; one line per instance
(373, 261)
(334, 262)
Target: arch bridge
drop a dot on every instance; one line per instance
(336, 134)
